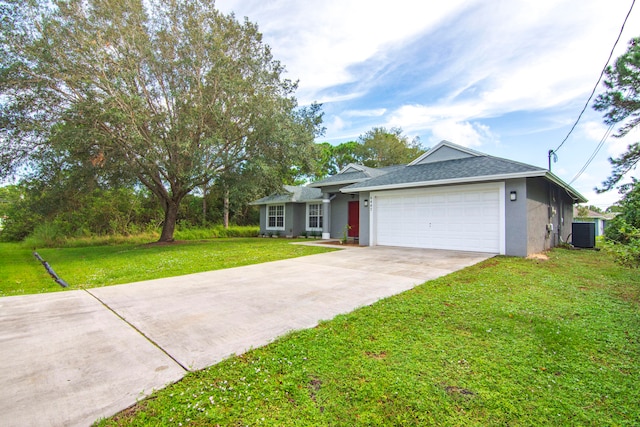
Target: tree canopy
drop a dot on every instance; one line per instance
(170, 93)
(381, 147)
(625, 227)
(621, 105)
(376, 148)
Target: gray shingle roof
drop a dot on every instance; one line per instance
(592, 214)
(341, 178)
(291, 194)
(470, 167)
(352, 177)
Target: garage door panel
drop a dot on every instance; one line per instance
(466, 218)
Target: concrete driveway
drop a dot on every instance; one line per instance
(70, 358)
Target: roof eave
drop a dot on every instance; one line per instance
(450, 181)
(330, 184)
(577, 197)
(282, 202)
(530, 174)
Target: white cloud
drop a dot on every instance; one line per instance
(529, 55)
(462, 133)
(618, 146)
(442, 123)
(336, 124)
(365, 113)
(525, 54)
(319, 41)
(439, 69)
(603, 200)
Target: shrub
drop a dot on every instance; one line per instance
(217, 231)
(620, 231)
(627, 254)
(46, 235)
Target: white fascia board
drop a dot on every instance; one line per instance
(269, 202)
(467, 180)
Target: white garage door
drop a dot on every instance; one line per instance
(465, 217)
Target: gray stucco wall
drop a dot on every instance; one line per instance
(538, 215)
(288, 219)
(547, 203)
(364, 219)
(564, 218)
(299, 219)
(516, 217)
(340, 213)
(294, 220)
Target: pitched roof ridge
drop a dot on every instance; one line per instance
(462, 159)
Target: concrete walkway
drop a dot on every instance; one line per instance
(70, 358)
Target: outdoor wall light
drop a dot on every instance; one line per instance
(513, 196)
(366, 203)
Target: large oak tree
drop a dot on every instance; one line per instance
(172, 93)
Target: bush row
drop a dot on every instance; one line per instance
(49, 236)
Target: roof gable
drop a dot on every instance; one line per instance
(444, 151)
(352, 167)
(350, 174)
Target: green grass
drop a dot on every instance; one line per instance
(48, 236)
(21, 273)
(509, 341)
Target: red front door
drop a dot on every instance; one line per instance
(354, 219)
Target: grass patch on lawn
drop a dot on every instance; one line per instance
(21, 273)
(49, 236)
(509, 341)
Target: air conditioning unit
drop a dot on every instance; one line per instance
(583, 234)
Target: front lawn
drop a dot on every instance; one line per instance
(21, 273)
(509, 341)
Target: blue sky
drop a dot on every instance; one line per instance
(505, 77)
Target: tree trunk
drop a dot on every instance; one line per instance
(170, 218)
(225, 208)
(204, 205)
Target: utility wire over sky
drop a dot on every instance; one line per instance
(553, 153)
(506, 80)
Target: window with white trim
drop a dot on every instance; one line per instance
(275, 217)
(314, 216)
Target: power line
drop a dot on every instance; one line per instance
(598, 82)
(593, 155)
